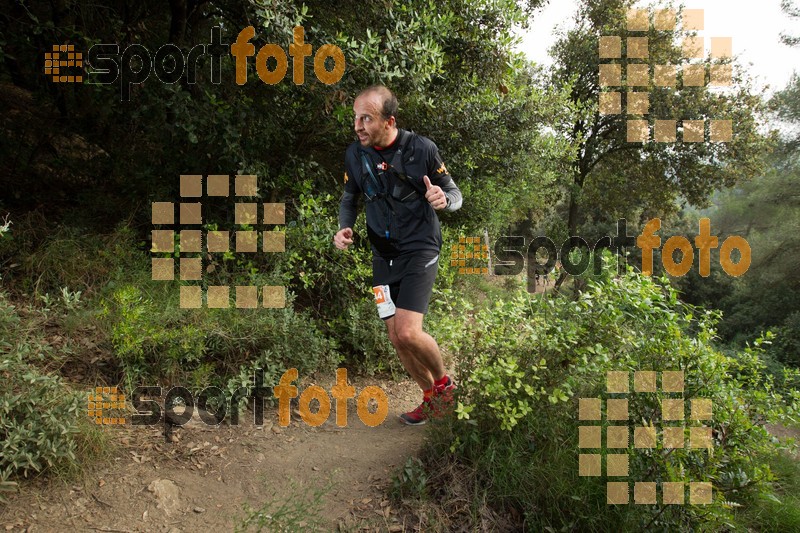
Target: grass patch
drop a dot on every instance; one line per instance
(41, 259)
(778, 509)
(295, 509)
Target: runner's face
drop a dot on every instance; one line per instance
(372, 129)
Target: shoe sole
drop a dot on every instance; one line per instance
(411, 423)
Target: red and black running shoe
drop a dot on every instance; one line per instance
(418, 416)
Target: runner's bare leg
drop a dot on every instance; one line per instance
(417, 350)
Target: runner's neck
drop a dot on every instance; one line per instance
(391, 144)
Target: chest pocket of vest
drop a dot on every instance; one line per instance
(403, 191)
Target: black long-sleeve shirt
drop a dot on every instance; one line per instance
(399, 219)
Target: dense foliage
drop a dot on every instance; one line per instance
(80, 166)
(529, 359)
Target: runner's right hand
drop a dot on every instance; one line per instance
(343, 238)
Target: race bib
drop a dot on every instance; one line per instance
(383, 299)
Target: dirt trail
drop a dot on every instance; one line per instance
(203, 481)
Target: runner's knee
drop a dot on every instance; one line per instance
(406, 334)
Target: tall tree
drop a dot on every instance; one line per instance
(446, 60)
(766, 212)
(612, 177)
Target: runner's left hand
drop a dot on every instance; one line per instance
(434, 194)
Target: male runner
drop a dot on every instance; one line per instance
(403, 181)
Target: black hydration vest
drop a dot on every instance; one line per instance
(399, 219)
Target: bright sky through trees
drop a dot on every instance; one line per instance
(755, 28)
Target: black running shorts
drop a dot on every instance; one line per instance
(405, 282)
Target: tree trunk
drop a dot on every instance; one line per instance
(177, 26)
(488, 251)
(574, 196)
(572, 214)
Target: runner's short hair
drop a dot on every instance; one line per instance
(389, 108)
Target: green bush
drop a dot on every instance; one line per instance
(299, 510)
(335, 286)
(151, 341)
(786, 348)
(449, 311)
(156, 341)
(410, 481)
(38, 419)
(528, 361)
(364, 335)
(42, 421)
(325, 279)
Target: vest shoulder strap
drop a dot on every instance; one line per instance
(397, 161)
(396, 164)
